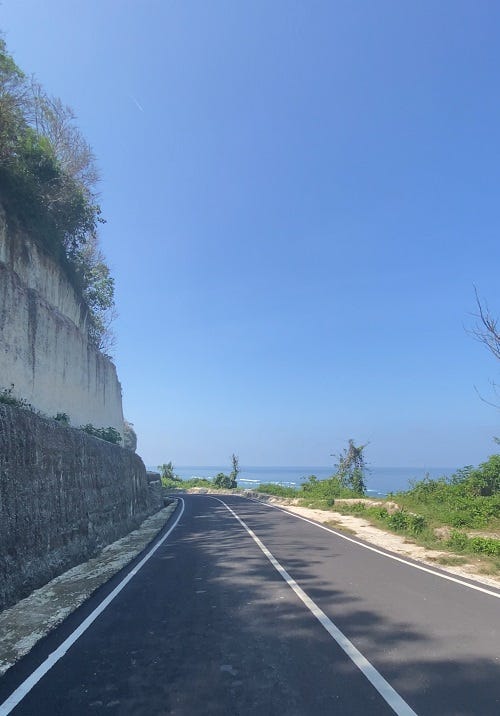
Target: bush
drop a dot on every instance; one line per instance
(62, 418)
(416, 524)
(470, 498)
(109, 434)
(485, 481)
(8, 398)
(398, 521)
(167, 473)
(485, 545)
(458, 541)
(277, 490)
(330, 488)
(224, 481)
(196, 482)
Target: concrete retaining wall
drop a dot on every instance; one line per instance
(63, 496)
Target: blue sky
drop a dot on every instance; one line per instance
(300, 197)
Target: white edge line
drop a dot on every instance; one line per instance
(379, 551)
(386, 691)
(25, 687)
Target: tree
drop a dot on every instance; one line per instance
(223, 480)
(167, 472)
(129, 436)
(98, 293)
(351, 467)
(487, 331)
(228, 482)
(48, 180)
(233, 475)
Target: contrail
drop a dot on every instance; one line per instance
(136, 103)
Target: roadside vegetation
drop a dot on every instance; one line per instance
(460, 513)
(220, 481)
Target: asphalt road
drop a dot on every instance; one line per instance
(208, 625)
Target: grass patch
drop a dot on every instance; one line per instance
(451, 561)
(314, 492)
(334, 524)
(277, 490)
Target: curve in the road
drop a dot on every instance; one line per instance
(390, 695)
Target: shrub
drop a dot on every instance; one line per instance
(8, 398)
(357, 507)
(416, 524)
(223, 481)
(110, 434)
(398, 521)
(167, 472)
(62, 418)
(485, 481)
(168, 476)
(485, 545)
(482, 545)
(277, 490)
(458, 541)
(196, 482)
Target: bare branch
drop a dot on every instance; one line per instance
(486, 330)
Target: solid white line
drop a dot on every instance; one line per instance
(26, 686)
(390, 696)
(379, 551)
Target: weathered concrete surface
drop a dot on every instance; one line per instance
(44, 348)
(22, 625)
(63, 496)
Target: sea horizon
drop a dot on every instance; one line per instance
(379, 480)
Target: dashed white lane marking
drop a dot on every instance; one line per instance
(26, 686)
(384, 554)
(390, 696)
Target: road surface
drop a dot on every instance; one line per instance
(246, 609)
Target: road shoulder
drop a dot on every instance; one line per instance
(361, 528)
(28, 621)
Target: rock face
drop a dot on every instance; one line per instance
(63, 496)
(129, 436)
(44, 349)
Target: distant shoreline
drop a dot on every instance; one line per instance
(380, 480)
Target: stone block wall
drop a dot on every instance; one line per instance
(63, 496)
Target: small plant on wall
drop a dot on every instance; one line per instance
(7, 397)
(111, 435)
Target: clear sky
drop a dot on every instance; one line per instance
(300, 197)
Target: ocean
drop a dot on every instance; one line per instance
(380, 480)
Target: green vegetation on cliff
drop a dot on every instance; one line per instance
(48, 183)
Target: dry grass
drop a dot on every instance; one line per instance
(335, 525)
